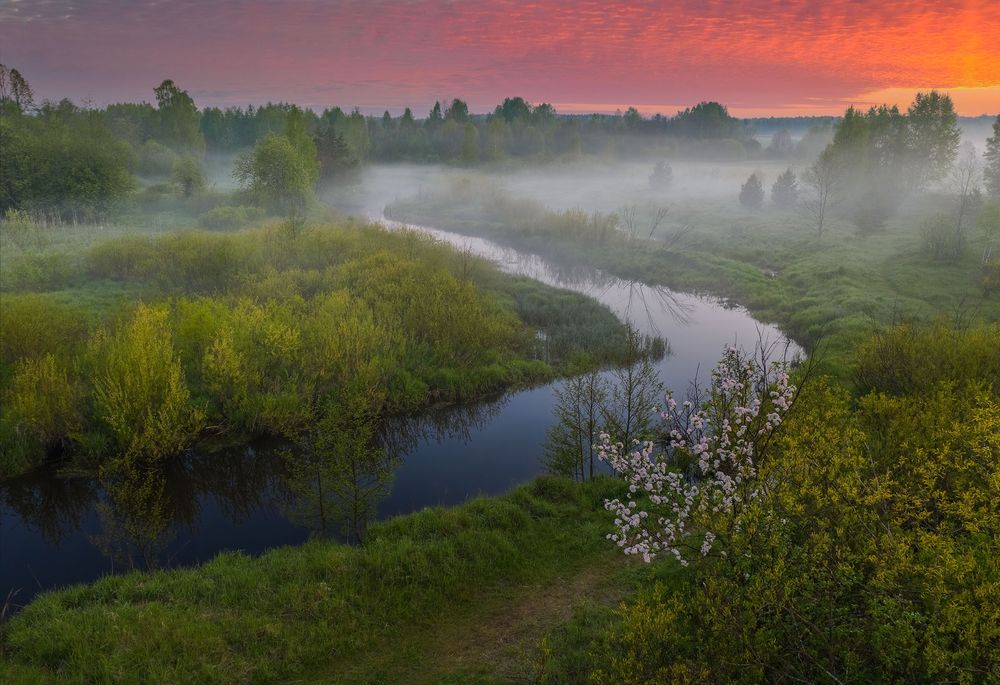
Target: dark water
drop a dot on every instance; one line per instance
(58, 530)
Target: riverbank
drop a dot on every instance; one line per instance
(335, 613)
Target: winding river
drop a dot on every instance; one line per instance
(55, 531)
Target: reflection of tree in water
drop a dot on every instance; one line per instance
(49, 502)
(140, 515)
(403, 434)
(649, 301)
(337, 471)
(144, 513)
(242, 481)
(135, 516)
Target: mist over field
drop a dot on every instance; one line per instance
(542, 382)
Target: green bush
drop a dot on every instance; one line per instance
(229, 217)
(140, 394)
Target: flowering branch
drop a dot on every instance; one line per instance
(707, 473)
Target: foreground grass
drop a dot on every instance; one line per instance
(388, 611)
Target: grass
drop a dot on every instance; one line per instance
(442, 595)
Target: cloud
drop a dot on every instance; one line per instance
(761, 53)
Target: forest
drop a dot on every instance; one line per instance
(503, 383)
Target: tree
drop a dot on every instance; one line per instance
(707, 120)
(140, 393)
(457, 111)
(933, 137)
(785, 191)
(435, 116)
(187, 176)
(964, 182)
(298, 136)
(514, 109)
(275, 175)
(179, 125)
(470, 144)
(822, 180)
(570, 447)
(634, 393)
(62, 164)
(662, 176)
(632, 119)
(332, 153)
(752, 192)
(991, 158)
(707, 477)
(781, 144)
(14, 89)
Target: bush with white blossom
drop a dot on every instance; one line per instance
(701, 477)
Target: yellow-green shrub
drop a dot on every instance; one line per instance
(40, 412)
(140, 394)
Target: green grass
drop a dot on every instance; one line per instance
(397, 609)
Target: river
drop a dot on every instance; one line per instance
(55, 530)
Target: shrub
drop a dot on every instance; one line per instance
(40, 412)
(230, 217)
(140, 394)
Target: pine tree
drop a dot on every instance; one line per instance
(752, 193)
(991, 170)
(785, 191)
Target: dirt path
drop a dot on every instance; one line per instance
(503, 637)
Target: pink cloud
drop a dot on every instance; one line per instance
(753, 55)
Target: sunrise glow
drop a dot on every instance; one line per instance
(759, 57)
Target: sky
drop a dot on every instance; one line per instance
(760, 57)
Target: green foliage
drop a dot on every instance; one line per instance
(187, 177)
(178, 118)
(708, 120)
(785, 191)
(35, 325)
(67, 167)
(155, 159)
(228, 217)
(276, 175)
(140, 394)
(933, 135)
(41, 413)
(259, 330)
(909, 360)
(942, 241)
(871, 557)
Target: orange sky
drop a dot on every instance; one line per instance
(758, 57)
